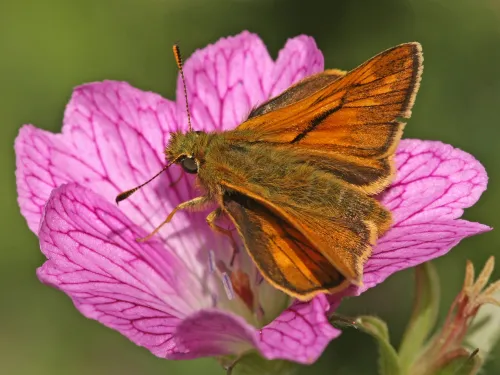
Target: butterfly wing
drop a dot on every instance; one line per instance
(305, 244)
(350, 127)
(319, 149)
(298, 91)
(285, 257)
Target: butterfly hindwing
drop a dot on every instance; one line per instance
(285, 257)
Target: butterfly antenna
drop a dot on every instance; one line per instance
(122, 196)
(178, 60)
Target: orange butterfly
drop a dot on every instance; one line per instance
(297, 177)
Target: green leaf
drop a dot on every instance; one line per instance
(253, 364)
(424, 315)
(342, 321)
(388, 358)
(464, 364)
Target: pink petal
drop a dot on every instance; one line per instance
(300, 334)
(227, 79)
(119, 133)
(113, 138)
(434, 183)
(410, 245)
(214, 333)
(224, 80)
(140, 290)
(298, 59)
(147, 294)
(35, 173)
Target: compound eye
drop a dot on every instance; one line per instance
(189, 165)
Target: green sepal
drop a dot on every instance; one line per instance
(388, 358)
(464, 363)
(341, 321)
(424, 314)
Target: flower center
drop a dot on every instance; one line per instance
(245, 292)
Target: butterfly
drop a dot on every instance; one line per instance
(298, 177)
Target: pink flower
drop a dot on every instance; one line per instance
(164, 294)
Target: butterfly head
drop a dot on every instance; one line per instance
(187, 150)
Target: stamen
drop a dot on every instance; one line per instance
(211, 261)
(483, 277)
(260, 313)
(492, 288)
(228, 285)
(259, 279)
(469, 275)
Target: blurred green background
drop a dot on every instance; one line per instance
(48, 47)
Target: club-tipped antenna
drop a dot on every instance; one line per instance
(122, 196)
(178, 60)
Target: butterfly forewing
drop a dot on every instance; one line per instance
(350, 127)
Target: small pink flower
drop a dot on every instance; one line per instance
(166, 294)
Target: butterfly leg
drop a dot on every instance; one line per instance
(194, 204)
(214, 215)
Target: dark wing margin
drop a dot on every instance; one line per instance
(299, 91)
